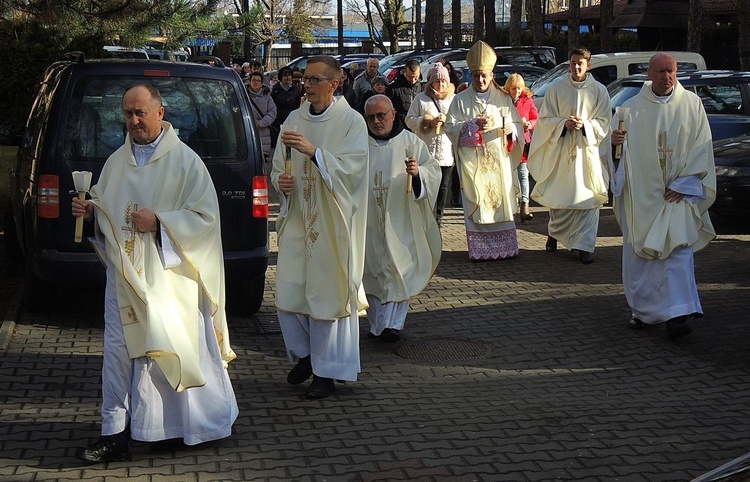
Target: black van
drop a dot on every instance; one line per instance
(76, 122)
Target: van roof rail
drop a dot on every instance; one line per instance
(74, 56)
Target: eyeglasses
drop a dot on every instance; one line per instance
(313, 80)
(380, 116)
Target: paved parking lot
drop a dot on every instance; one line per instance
(519, 370)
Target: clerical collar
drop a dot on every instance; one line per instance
(143, 152)
(315, 114)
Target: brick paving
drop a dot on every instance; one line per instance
(519, 370)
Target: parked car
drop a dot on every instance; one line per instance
(501, 72)
(117, 52)
(725, 95)
(211, 60)
(400, 58)
(357, 57)
(542, 57)
(732, 160)
(298, 63)
(392, 71)
(76, 122)
(606, 68)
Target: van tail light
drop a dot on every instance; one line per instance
(260, 196)
(392, 75)
(48, 197)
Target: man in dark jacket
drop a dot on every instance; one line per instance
(403, 90)
(287, 98)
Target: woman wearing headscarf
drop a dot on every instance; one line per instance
(426, 118)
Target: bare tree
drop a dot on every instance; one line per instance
(606, 14)
(456, 23)
(478, 20)
(259, 22)
(433, 25)
(535, 17)
(516, 11)
(695, 18)
(574, 23)
(743, 27)
(389, 14)
(417, 6)
(490, 26)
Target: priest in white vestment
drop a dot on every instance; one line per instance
(484, 126)
(166, 343)
(321, 229)
(663, 185)
(571, 178)
(403, 243)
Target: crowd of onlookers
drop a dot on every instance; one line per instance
(275, 97)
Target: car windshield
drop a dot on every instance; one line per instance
(623, 92)
(501, 74)
(387, 62)
(204, 113)
(542, 84)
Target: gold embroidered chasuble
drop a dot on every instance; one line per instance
(487, 175)
(668, 141)
(568, 170)
(160, 307)
(322, 227)
(403, 239)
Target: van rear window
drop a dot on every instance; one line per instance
(205, 113)
(642, 67)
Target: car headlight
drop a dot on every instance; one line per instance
(731, 171)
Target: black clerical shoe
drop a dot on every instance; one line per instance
(107, 449)
(636, 324)
(389, 335)
(585, 257)
(677, 327)
(320, 388)
(551, 245)
(169, 445)
(301, 371)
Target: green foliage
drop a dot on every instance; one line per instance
(35, 34)
(298, 27)
(24, 59)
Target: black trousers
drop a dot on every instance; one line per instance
(445, 190)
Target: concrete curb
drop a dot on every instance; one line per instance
(11, 316)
